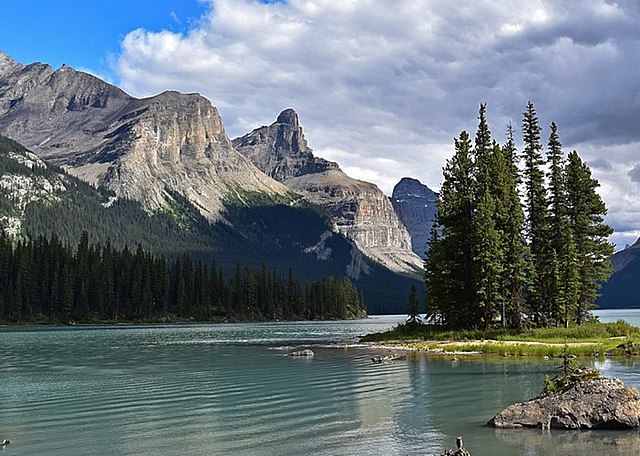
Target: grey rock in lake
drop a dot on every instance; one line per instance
(415, 204)
(303, 353)
(359, 209)
(599, 403)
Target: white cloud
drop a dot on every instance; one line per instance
(383, 87)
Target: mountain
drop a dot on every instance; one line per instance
(359, 210)
(139, 148)
(161, 171)
(415, 204)
(622, 290)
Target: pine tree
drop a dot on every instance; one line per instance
(537, 227)
(449, 273)
(562, 253)
(514, 270)
(413, 306)
(486, 238)
(586, 212)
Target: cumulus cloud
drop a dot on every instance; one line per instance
(601, 164)
(634, 173)
(383, 88)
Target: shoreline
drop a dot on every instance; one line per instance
(509, 348)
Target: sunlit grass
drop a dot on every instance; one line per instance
(584, 340)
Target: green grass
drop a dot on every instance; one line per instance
(614, 339)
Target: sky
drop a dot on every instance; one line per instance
(381, 87)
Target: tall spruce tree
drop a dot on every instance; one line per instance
(562, 287)
(449, 274)
(514, 272)
(537, 226)
(486, 238)
(586, 211)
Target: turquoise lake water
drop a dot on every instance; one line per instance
(231, 390)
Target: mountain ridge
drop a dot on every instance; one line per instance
(359, 209)
(135, 147)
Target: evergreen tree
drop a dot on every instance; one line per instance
(450, 264)
(514, 270)
(586, 212)
(486, 238)
(413, 306)
(537, 227)
(562, 289)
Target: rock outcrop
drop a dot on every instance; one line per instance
(598, 403)
(140, 148)
(415, 204)
(359, 210)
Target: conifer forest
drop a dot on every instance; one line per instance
(520, 238)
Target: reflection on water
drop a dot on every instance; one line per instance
(231, 390)
(536, 441)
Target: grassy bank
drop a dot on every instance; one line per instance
(594, 338)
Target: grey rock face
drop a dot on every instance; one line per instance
(281, 151)
(7, 64)
(359, 209)
(415, 204)
(137, 147)
(600, 403)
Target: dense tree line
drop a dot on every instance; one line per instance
(47, 280)
(494, 258)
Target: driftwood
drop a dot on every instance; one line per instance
(461, 451)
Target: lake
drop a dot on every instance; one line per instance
(230, 389)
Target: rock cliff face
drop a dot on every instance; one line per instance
(359, 209)
(140, 148)
(415, 204)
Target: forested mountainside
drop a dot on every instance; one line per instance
(40, 199)
(46, 280)
(622, 290)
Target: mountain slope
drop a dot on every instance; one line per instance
(415, 204)
(358, 209)
(37, 198)
(622, 290)
(136, 147)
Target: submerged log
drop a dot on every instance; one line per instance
(597, 403)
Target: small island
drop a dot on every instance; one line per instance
(579, 398)
(508, 275)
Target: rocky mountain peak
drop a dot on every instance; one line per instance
(281, 151)
(289, 117)
(7, 64)
(415, 204)
(359, 210)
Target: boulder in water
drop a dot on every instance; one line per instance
(597, 403)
